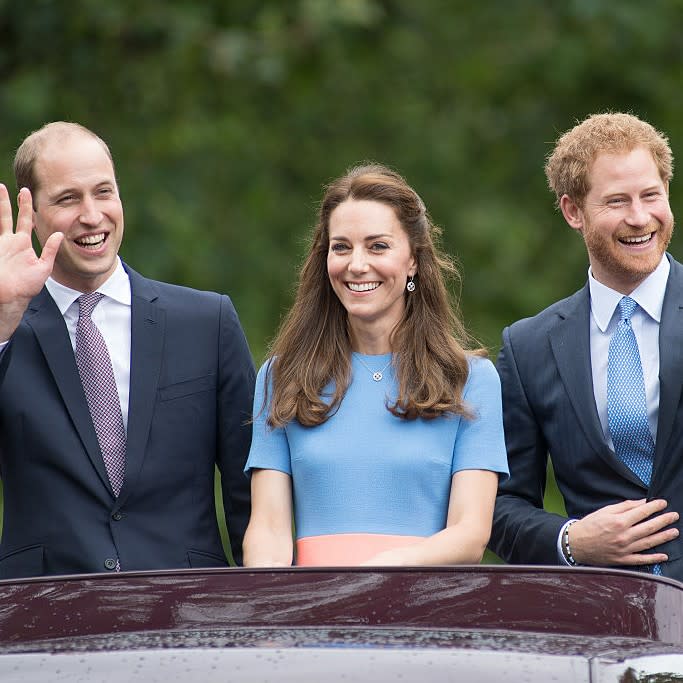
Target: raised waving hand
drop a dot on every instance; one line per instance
(22, 272)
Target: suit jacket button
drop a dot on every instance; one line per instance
(117, 516)
(109, 563)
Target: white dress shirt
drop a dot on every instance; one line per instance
(649, 295)
(112, 317)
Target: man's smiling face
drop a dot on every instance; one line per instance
(76, 193)
(625, 220)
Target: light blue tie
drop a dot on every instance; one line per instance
(626, 402)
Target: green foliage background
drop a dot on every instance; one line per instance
(227, 117)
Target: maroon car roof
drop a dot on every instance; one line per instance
(571, 622)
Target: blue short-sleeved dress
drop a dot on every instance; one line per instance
(365, 480)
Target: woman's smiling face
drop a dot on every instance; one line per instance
(368, 262)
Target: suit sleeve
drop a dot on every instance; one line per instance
(235, 398)
(5, 353)
(523, 532)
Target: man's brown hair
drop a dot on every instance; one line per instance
(569, 164)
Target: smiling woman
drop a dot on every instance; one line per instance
(373, 423)
(369, 263)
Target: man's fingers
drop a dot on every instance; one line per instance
(651, 525)
(626, 505)
(643, 559)
(25, 212)
(5, 211)
(619, 533)
(50, 248)
(649, 542)
(637, 514)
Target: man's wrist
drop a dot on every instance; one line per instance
(564, 550)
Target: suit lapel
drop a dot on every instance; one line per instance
(147, 335)
(570, 342)
(670, 366)
(48, 325)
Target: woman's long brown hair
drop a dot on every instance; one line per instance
(313, 347)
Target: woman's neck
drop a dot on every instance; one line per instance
(370, 342)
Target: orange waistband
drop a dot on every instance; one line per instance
(346, 550)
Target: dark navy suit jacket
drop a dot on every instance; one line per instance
(549, 409)
(191, 388)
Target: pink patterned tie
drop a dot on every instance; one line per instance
(97, 376)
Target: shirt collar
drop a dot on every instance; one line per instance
(116, 287)
(649, 295)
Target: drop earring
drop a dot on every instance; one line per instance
(410, 286)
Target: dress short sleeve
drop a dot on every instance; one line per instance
(269, 446)
(480, 441)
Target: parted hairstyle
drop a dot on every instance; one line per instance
(29, 150)
(569, 164)
(313, 346)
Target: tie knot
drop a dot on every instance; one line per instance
(87, 303)
(626, 307)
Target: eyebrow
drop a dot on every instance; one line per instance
(369, 238)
